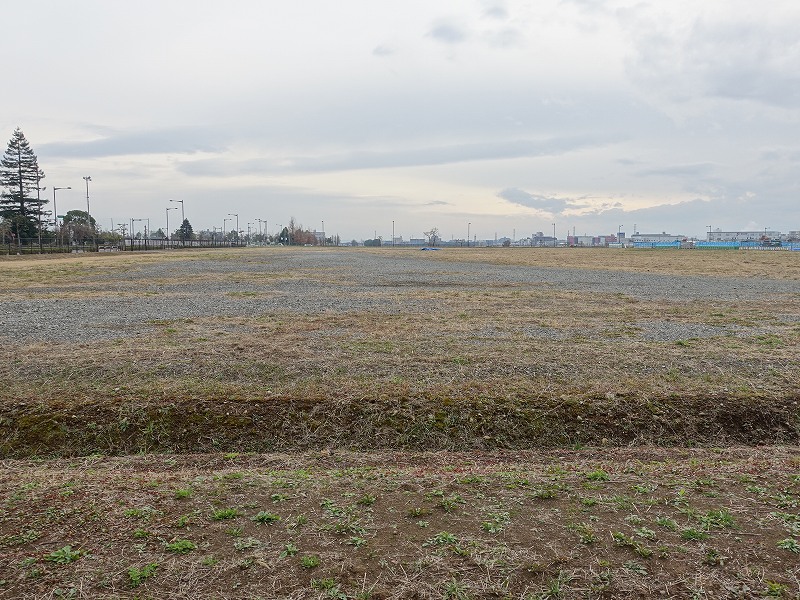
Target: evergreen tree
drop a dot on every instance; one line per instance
(20, 175)
(185, 232)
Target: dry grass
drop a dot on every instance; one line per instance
(500, 377)
(726, 263)
(508, 367)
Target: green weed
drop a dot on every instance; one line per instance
(64, 555)
(180, 546)
(137, 576)
(222, 514)
(265, 518)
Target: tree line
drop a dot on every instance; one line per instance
(23, 215)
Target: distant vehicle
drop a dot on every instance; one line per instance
(426, 248)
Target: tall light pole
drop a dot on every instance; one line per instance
(619, 232)
(183, 216)
(709, 232)
(323, 232)
(554, 235)
(237, 223)
(392, 233)
(87, 179)
(224, 221)
(169, 208)
(468, 226)
(248, 233)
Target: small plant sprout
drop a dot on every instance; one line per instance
(585, 532)
(635, 567)
(265, 518)
(222, 514)
(441, 539)
(719, 519)
(331, 588)
(310, 561)
(366, 500)
(246, 543)
(276, 498)
(597, 475)
(64, 555)
(496, 521)
(137, 576)
(691, 534)
(289, 550)
(455, 590)
(646, 533)
(356, 541)
(713, 558)
(183, 493)
(180, 546)
(789, 544)
(667, 523)
(449, 503)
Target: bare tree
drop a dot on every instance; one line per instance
(432, 235)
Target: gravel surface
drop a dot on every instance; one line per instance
(316, 282)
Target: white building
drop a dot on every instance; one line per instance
(655, 238)
(742, 236)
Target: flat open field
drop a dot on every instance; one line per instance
(506, 423)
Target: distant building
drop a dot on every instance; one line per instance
(655, 238)
(592, 240)
(742, 236)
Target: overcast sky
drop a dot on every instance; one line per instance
(511, 116)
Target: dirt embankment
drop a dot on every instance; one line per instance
(273, 424)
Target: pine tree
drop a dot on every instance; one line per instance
(21, 176)
(185, 232)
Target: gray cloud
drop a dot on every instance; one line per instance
(382, 50)
(732, 56)
(448, 32)
(693, 170)
(496, 11)
(437, 155)
(543, 203)
(188, 140)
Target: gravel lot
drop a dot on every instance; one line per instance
(310, 282)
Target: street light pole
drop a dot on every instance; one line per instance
(554, 235)
(169, 208)
(87, 179)
(468, 226)
(323, 232)
(183, 215)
